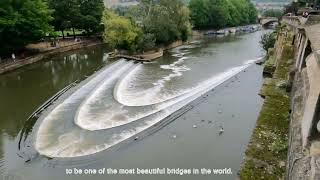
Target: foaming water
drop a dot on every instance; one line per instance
(127, 98)
(50, 126)
(57, 137)
(126, 93)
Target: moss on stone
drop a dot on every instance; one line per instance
(269, 66)
(267, 151)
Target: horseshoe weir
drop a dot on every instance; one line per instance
(92, 112)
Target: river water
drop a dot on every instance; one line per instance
(122, 114)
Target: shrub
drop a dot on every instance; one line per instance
(267, 41)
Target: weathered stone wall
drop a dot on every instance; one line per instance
(266, 154)
(304, 141)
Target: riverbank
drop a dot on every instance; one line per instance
(155, 54)
(228, 30)
(150, 55)
(18, 63)
(266, 154)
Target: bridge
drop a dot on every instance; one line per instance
(265, 21)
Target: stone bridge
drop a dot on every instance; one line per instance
(265, 21)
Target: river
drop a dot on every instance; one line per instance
(121, 114)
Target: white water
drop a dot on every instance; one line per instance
(79, 142)
(106, 110)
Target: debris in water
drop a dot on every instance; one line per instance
(219, 111)
(174, 136)
(202, 120)
(136, 138)
(209, 122)
(221, 130)
(194, 126)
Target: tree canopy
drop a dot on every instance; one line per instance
(273, 13)
(120, 32)
(221, 13)
(80, 14)
(151, 22)
(22, 22)
(167, 20)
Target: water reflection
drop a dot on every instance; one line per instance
(23, 90)
(37, 83)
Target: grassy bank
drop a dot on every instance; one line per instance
(267, 152)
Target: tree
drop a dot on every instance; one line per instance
(22, 22)
(90, 15)
(273, 13)
(66, 14)
(292, 8)
(148, 43)
(222, 13)
(267, 41)
(160, 23)
(199, 13)
(218, 13)
(120, 32)
(80, 14)
(168, 21)
(253, 13)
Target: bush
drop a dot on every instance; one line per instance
(121, 32)
(149, 42)
(273, 13)
(267, 41)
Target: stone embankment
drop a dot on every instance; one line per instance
(304, 142)
(148, 56)
(286, 141)
(12, 65)
(267, 151)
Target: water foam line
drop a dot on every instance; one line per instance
(77, 142)
(83, 120)
(82, 111)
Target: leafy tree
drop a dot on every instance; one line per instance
(221, 13)
(149, 42)
(267, 41)
(90, 15)
(199, 13)
(273, 13)
(80, 14)
(168, 21)
(253, 13)
(66, 14)
(292, 8)
(160, 23)
(22, 22)
(235, 16)
(120, 32)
